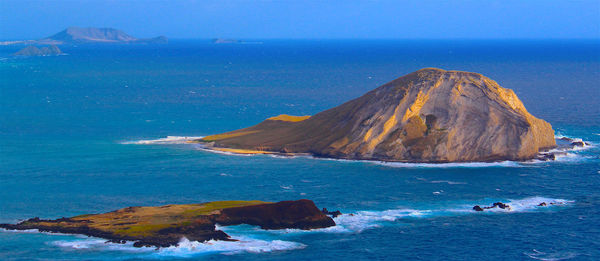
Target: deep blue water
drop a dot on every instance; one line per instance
(69, 126)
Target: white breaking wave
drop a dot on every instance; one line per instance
(185, 248)
(167, 140)
(452, 165)
(20, 231)
(431, 165)
(250, 245)
(99, 245)
(363, 220)
(531, 203)
(32, 231)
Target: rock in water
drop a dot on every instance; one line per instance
(430, 115)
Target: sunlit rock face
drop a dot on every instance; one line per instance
(430, 115)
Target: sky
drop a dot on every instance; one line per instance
(349, 19)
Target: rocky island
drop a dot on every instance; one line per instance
(431, 115)
(35, 51)
(83, 35)
(166, 225)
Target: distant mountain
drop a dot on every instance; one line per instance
(35, 51)
(74, 35)
(81, 35)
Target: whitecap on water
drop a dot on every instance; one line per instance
(539, 255)
(449, 182)
(287, 187)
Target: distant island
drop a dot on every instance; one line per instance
(431, 115)
(82, 35)
(234, 41)
(35, 51)
(165, 226)
(225, 41)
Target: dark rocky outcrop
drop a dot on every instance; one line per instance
(166, 225)
(546, 156)
(301, 214)
(333, 214)
(499, 205)
(431, 115)
(32, 50)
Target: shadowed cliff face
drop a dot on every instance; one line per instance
(431, 115)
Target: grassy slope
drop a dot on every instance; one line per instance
(143, 221)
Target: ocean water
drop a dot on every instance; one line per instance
(87, 133)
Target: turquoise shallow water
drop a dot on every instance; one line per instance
(69, 127)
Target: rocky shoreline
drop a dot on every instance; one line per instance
(564, 144)
(165, 226)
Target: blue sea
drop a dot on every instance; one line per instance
(101, 128)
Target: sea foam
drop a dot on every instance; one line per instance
(244, 244)
(362, 220)
(185, 248)
(167, 140)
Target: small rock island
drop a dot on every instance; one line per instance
(165, 226)
(431, 115)
(35, 51)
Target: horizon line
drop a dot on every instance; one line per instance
(346, 39)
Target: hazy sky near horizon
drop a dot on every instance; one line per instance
(420, 19)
